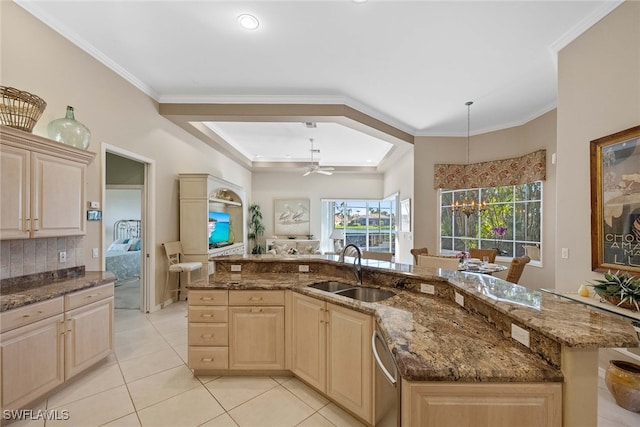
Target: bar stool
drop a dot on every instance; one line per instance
(174, 254)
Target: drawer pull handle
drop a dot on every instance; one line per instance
(207, 359)
(206, 299)
(94, 295)
(256, 310)
(206, 335)
(206, 315)
(255, 299)
(28, 315)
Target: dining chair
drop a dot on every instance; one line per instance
(532, 251)
(418, 251)
(516, 268)
(174, 256)
(447, 263)
(380, 256)
(480, 253)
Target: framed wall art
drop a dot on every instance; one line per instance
(615, 202)
(291, 217)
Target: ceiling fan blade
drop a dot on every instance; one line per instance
(327, 168)
(324, 172)
(307, 172)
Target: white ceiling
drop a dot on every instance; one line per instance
(410, 64)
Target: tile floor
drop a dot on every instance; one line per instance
(147, 383)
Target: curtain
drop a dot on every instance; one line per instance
(496, 173)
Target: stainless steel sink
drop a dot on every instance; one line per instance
(331, 286)
(366, 294)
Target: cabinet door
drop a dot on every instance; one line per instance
(15, 190)
(58, 196)
(439, 404)
(308, 342)
(89, 335)
(32, 361)
(256, 337)
(350, 361)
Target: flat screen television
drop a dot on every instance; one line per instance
(218, 227)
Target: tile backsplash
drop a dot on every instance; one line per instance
(29, 256)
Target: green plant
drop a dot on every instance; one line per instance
(256, 228)
(622, 286)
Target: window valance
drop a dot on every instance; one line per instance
(519, 170)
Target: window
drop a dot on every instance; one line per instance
(369, 224)
(518, 209)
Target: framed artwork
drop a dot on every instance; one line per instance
(405, 215)
(291, 217)
(615, 202)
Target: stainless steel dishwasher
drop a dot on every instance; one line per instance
(387, 383)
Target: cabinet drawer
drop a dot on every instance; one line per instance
(208, 357)
(31, 313)
(208, 297)
(209, 334)
(80, 298)
(208, 314)
(256, 297)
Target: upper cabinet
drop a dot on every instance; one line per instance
(212, 217)
(42, 183)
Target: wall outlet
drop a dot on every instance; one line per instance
(427, 289)
(236, 267)
(303, 268)
(94, 253)
(519, 334)
(62, 256)
(94, 205)
(565, 253)
(459, 299)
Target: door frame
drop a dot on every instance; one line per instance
(148, 278)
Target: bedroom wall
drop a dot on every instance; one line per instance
(120, 204)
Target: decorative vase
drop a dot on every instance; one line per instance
(623, 381)
(69, 131)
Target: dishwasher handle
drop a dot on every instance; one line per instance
(383, 368)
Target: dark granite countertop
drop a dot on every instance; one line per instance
(432, 338)
(17, 293)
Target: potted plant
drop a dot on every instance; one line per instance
(621, 289)
(256, 228)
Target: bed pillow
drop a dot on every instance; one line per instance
(120, 247)
(134, 244)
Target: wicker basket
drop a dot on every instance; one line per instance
(615, 301)
(20, 109)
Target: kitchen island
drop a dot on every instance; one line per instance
(461, 333)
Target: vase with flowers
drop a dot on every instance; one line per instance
(498, 236)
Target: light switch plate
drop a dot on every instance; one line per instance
(236, 267)
(95, 253)
(63, 256)
(519, 334)
(427, 289)
(565, 253)
(303, 268)
(459, 299)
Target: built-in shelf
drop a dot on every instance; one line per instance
(226, 202)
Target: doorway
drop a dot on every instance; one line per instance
(127, 239)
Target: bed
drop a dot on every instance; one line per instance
(123, 255)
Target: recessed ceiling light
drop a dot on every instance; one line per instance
(248, 22)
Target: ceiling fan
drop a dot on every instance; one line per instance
(316, 168)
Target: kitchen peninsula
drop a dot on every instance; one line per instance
(452, 345)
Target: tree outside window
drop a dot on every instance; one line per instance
(369, 224)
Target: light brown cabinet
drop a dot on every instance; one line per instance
(332, 352)
(497, 405)
(241, 330)
(43, 186)
(44, 344)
